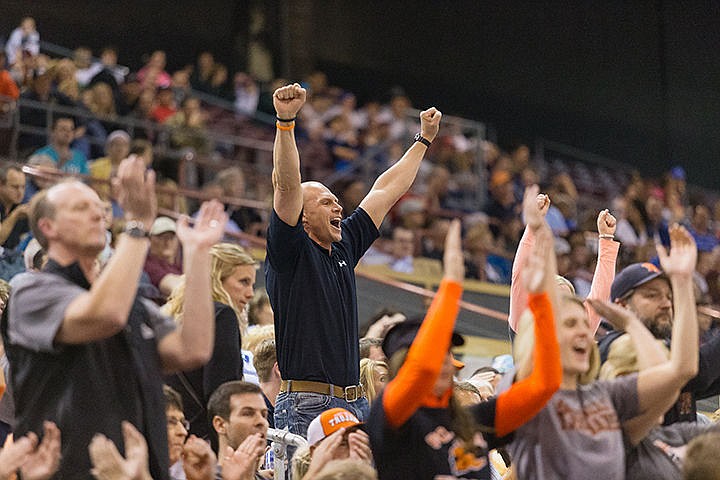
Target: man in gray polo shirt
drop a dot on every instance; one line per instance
(84, 350)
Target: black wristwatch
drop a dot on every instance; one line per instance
(423, 140)
(136, 229)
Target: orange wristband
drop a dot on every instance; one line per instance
(285, 128)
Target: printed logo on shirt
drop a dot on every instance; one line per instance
(461, 461)
(342, 263)
(596, 417)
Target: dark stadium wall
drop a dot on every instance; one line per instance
(633, 81)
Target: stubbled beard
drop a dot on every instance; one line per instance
(660, 330)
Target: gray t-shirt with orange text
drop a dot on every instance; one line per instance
(578, 434)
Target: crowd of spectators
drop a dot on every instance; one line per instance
(338, 140)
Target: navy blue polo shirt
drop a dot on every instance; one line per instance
(313, 296)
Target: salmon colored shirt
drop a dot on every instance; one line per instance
(599, 290)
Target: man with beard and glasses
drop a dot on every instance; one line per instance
(645, 290)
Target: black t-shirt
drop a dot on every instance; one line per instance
(426, 446)
(226, 364)
(84, 388)
(314, 299)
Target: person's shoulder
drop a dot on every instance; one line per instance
(223, 309)
(27, 279)
(46, 150)
(78, 155)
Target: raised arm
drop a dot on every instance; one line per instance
(103, 310)
(533, 215)
(396, 180)
(605, 268)
(287, 192)
(191, 344)
(416, 378)
(659, 386)
(528, 396)
(649, 354)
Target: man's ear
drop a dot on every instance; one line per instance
(46, 227)
(276, 369)
(218, 424)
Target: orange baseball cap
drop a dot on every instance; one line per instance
(329, 422)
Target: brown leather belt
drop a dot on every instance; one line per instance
(349, 394)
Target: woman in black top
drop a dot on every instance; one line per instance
(232, 279)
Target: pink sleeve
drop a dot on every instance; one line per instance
(518, 294)
(603, 278)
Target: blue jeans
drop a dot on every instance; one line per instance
(294, 411)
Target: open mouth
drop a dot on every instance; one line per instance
(580, 348)
(335, 222)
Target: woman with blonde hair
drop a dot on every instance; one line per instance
(374, 374)
(232, 278)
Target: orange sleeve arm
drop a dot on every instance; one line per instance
(416, 378)
(527, 397)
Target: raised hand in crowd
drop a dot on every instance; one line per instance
(208, 228)
(242, 463)
(620, 318)
(385, 323)
(107, 462)
(535, 270)
(198, 459)
(135, 189)
(453, 259)
(682, 258)
(430, 123)
(288, 101)
(606, 223)
(535, 206)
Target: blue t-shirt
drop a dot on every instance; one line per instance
(77, 163)
(313, 296)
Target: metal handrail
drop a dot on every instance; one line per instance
(134, 123)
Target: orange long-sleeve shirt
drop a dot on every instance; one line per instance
(412, 388)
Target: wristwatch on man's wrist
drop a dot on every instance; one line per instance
(136, 229)
(423, 140)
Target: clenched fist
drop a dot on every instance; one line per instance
(288, 100)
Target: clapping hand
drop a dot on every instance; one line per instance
(208, 229)
(618, 316)
(241, 464)
(107, 462)
(198, 459)
(134, 186)
(682, 258)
